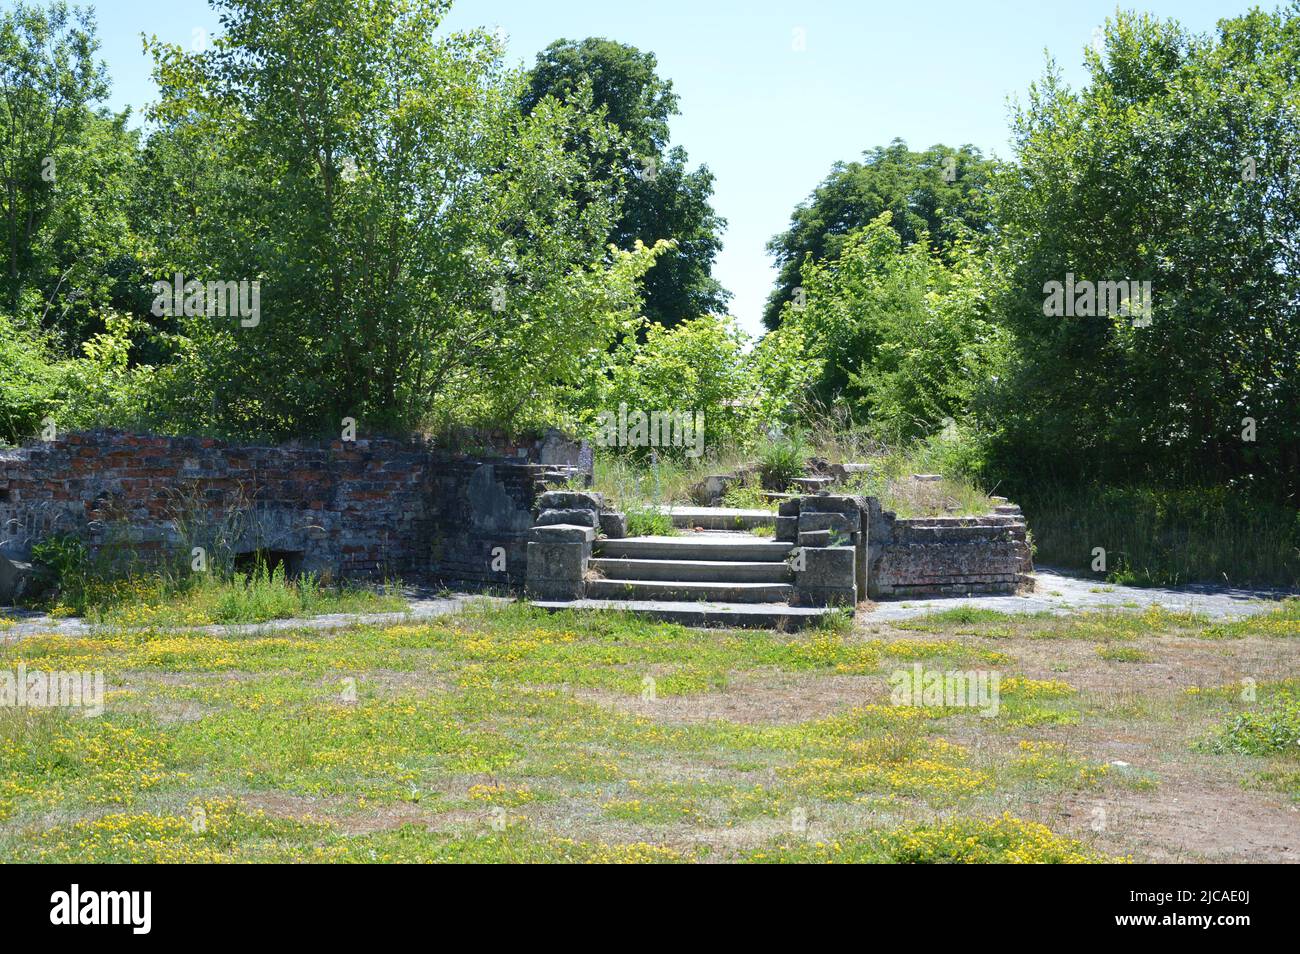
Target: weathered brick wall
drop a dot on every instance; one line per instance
(357, 508)
(930, 556)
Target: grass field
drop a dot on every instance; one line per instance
(505, 735)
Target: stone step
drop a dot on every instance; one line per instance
(719, 518)
(721, 571)
(739, 547)
(704, 614)
(687, 591)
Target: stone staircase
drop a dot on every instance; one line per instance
(713, 572)
(723, 567)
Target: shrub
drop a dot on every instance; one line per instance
(647, 521)
(1272, 730)
(781, 459)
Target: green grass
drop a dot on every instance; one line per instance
(206, 598)
(1122, 654)
(644, 521)
(628, 482)
(1273, 728)
(1109, 625)
(968, 841)
(495, 732)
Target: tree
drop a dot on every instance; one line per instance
(697, 366)
(422, 248)
(1174, 165)
(664, 199)
(66, 173)
(901, 336)
(941, 192)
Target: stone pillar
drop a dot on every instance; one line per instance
(830, 562)
(825, 576)
(557, 561)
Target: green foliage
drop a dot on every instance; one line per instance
(747, 494)
(1274, 728)
(648, 521)
(1156, 536)
(27, 386)
(696, 366)
(906, 338)
(938, 196)
(425, 250)
(64, 555)
(1174, 165)
(114, 596)
(781, 459)
(664, 200)
(67, 173)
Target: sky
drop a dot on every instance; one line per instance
(772, 93)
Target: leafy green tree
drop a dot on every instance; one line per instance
(696, 366)
(66, 175)
(664, 198)
(424, 250)
(942, 192)
(900, 335)
(1175, 164)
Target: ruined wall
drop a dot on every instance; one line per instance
(932, 556)
(357, 508)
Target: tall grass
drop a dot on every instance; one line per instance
(1167, 536)
(890, 479)
(108, 591)
(636, 484)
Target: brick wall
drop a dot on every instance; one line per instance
(357, 508)
(931, 556)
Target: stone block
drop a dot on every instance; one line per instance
(571, 500)
(788, 508)
(828, 567)
(849, 505)
(555, 589)
(557, 561)
(787, 529)
(576, 518)
(824, 596)
(562, 533)
(22, 580)
(613, 524)
(834, 522)
(814, 538)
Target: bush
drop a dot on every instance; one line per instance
(1155, 536)
(782, 459)
(647, 521)
(696, 367)
(27, 383)
(1275, 729)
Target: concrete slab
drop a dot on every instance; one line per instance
(1061, 594)
(704, 614)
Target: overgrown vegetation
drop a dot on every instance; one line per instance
(522, 268)
(108, 591)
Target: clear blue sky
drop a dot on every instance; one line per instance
(767, 118)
